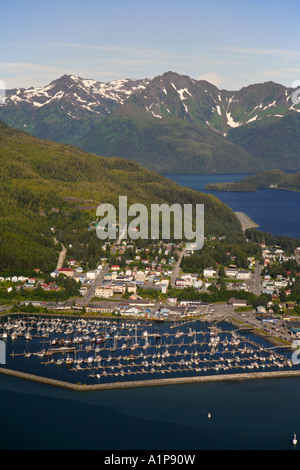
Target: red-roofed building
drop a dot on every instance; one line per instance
(115, 267)
(66, 271)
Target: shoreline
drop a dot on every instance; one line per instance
(151, 382)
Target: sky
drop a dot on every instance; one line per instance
(232, 43)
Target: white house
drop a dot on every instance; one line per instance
(197, 284)
(183, 283)
(231, 272)
(140, 276)
(209, 272)
(243, 274)
(105, 292)
(164, 288)
(91, 275)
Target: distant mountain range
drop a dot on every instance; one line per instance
(171, 123)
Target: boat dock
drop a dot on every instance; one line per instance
(115, 351)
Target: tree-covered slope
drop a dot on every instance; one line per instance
(274, 179)
(45, 185)
(167, 145)
(276, 140)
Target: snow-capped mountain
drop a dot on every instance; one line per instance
(67, 108)
(77, 93)
(168, 95)
(177, 124)
(143, 119)
(201, 102)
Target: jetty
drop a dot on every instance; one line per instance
(152, 382)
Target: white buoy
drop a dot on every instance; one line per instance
(295, 440)
(209, 415)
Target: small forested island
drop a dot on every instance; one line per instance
(239, 187)
(275, 179)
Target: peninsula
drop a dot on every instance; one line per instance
(269, 179)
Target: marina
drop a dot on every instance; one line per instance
(95, 351)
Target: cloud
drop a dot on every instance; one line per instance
(135, 51)
(279, 53)
(213, 78)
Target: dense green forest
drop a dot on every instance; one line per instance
(172, 144)
(240, 187)
(287, 243)
(217, 254)
(46, 186)
(274, 178)
(263, 179)
(272, 139)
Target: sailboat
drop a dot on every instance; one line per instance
(295, 439)
(114, 347)
(135, 344)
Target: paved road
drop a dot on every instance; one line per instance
(61, 258)
(62, 255)
(176, 268)
(257, 279)
(98, 281)
(91, 291)
(254, 284)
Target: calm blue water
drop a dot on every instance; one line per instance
(275, 211)
(245, 415)
(251, 415)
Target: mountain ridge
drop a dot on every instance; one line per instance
(209, 130)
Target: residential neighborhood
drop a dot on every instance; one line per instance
(135, 281)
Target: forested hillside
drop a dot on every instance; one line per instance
(46, 185)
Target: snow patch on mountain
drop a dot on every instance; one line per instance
(79, 93)
(231, 122)
(252, 119)
(156, 115)
(181, 93)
